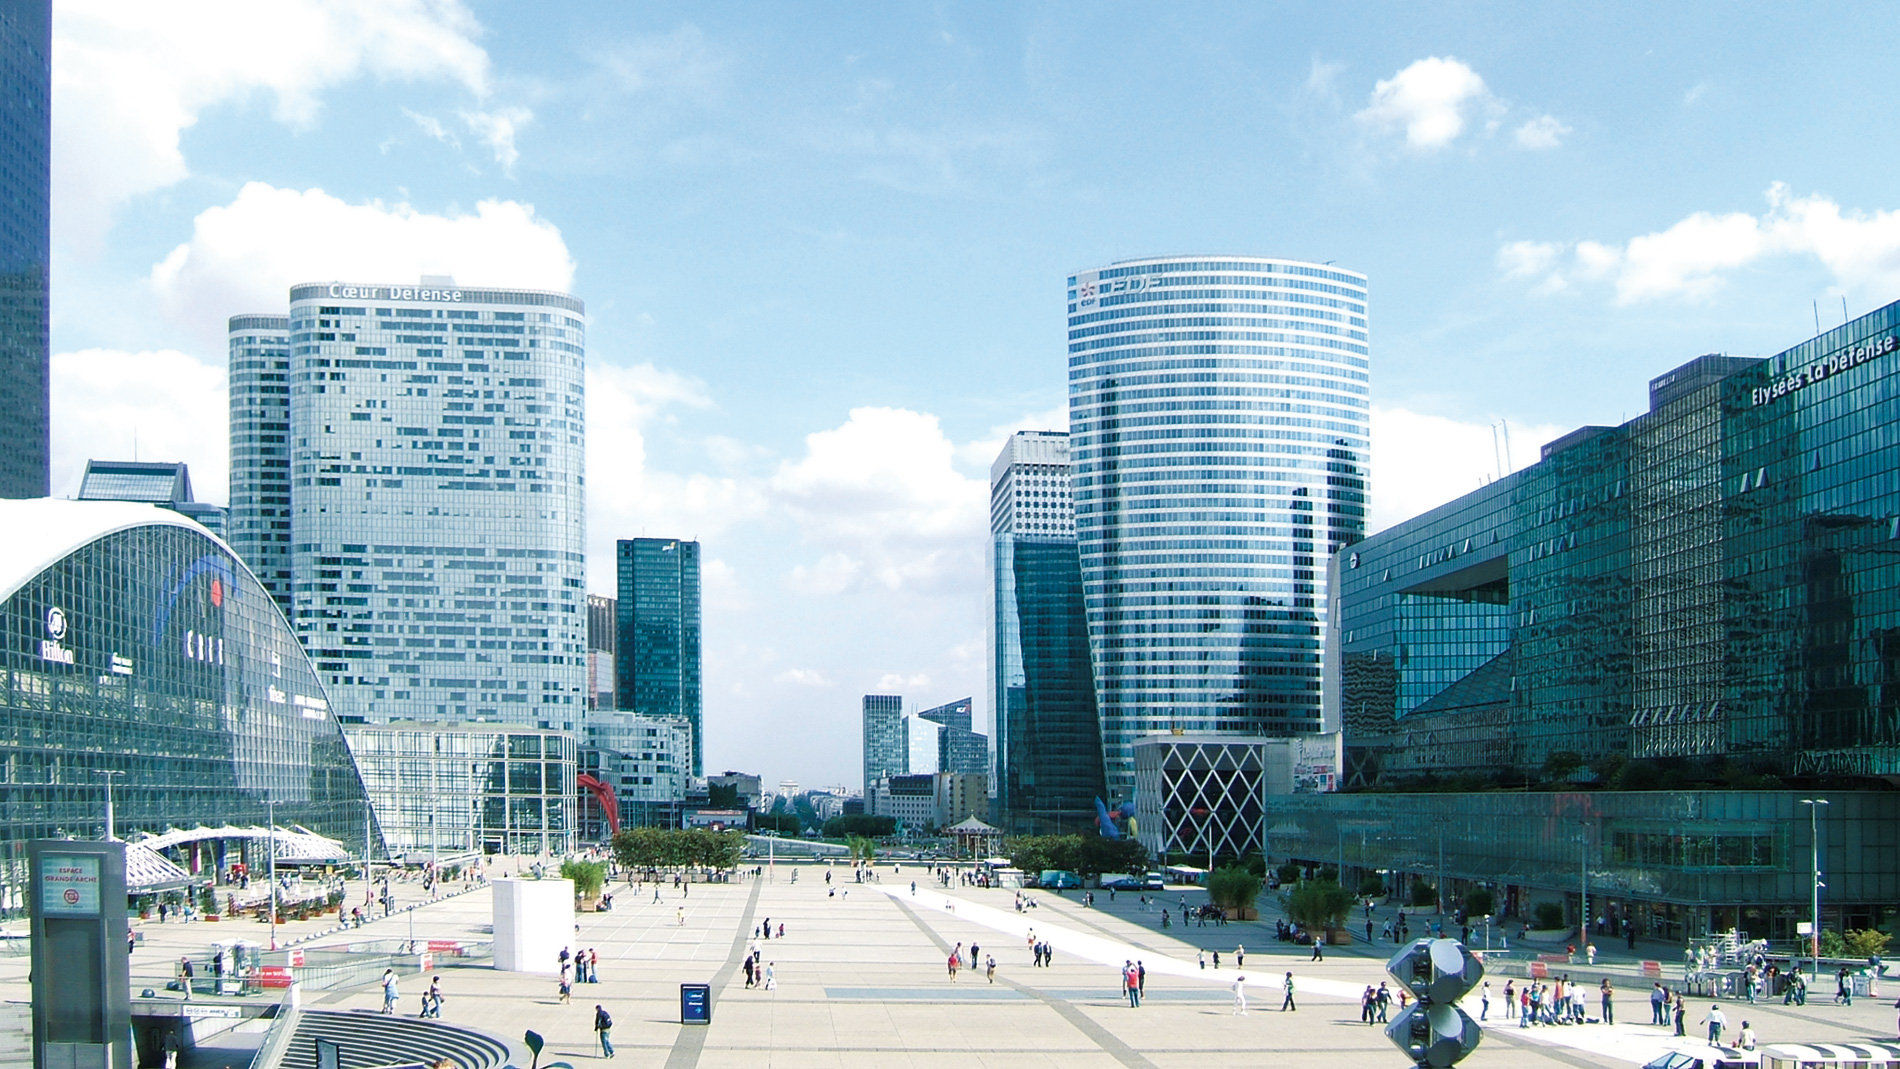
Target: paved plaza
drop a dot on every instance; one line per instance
(862, 981)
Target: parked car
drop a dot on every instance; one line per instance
(1126, 883)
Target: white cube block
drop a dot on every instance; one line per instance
(534, 922)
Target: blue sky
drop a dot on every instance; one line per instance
(823, 246)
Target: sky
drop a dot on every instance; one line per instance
(823, 246)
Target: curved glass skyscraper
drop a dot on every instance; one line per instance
(1219, 420)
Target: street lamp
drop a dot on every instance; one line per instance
(1814, 888)
(110, 774)
(270, 814)
(1583, 886)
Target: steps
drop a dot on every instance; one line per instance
(369, 1040)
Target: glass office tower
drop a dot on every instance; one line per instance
(656, 630)
(26, 74)
(259, 521)
(436, 496)
(137, 644)
(1219, 419)
(886, 744)
(1046, 743)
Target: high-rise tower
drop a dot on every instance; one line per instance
(437, 521)
(886, 743)
(1219, 417)
(1046, 743)
(26, 75)
(259, 526)
(656, 633)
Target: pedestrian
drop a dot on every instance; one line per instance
(172, 1046)
(1745, 1039)
(1200, 956)
(771, 976)
(1216, 959)
(973, 949)
(1240, 956)
(1286, 1004)
(184, 976)
(989, 967)
(1510, 999)
(1131, 985)
(748, 966)
(1716, 1020)
(1657, 996)
(1240, 995)
(1484, 1001)
(956, 959)
(389, 991)
(1141, 977)
(566, 989)
(603, 1029)
(1366, 1000)
(1319, 939)
(1604, 995)
(679, 914)
(1682, 1011)
(1382, 1002)
(1843, 988)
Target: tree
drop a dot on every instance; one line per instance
(782, 823)
(1424, 894)
(845, 826)
(1288, 872)
(1866, 943)
(1096, 855)
(722, 796)
(1373, 886)
(1233, 887)
(1478, 903)
(1319, 905)
(588, 876)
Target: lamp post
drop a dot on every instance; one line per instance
(270, 815)
(1814, 887)
(1583, 886)
(366, 850)
(109, 774)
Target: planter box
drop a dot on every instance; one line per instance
(1339, 937)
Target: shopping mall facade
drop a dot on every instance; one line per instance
(141, 655)
(1625, 667)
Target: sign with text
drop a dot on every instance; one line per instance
(69, 885)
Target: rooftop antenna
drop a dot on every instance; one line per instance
(1497, 454)
(1506, 424)
(1844, 309)
(1817, 315)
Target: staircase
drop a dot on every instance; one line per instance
(369, 1040)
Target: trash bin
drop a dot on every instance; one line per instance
(695, 1003)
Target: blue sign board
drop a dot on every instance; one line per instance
(695, 1003)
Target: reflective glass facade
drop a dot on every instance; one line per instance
(884, 738)
(1715, 582)
(141, 645)
(1677, 864)
(1219, 424)
(1046, 740)
(457, 788)
(657, 663)
(26, 75)
(260, 448)
(436, 495)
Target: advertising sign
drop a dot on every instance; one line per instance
(695, 1004)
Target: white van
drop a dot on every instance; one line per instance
(1857, 1055)
(1706, 1058)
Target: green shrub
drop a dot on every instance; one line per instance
(1479, 903)
(1372, 887)
(1866, 943)
(1233, 887)
(1289, 872)
(1424, 894)
(1318, 905)
(588, 876)
(1549, 915)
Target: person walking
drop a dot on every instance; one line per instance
(603, 1031)
(184, 976)
(989, 967)
(1484, 1001)
(771, 976)
(1681, 1012)
(389, 992)
(1843, 988)
(956, 959)
(1200, 956)
(1606, 995)
(1286, 1004)
(1382, 1002)
(1366, 1000)
(1240, 996)
(1319, 939)
(1510, 999)
(1240, 956)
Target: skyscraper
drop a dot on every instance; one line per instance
(885, 740)
(1046, 742)
(166, 483)
(260, 449)
(656, 662)
(1219, 417)
(959, 749)
(26, 75)
(436, 513)
(601, 644)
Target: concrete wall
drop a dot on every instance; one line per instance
(534, 921)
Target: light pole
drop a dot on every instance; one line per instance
(270, 815)
(1814, 888)
(1583, 887)
(366, 849)
(110, 774)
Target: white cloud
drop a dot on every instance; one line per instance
(1545, 131)
(883, 494)
(679, 63)
(109, 404)
(803, 677)
(1692, 258)
(432, 128)
(1431, 100)
(898, 682)
(130, 78)
(627, 497)
(1695, 94)
(244, 256)
(982, 452)
(1421, 461)
(497, 130)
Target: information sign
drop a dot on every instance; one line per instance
(69, 885)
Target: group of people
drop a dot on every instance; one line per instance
(580, 967)
(1559, 1001)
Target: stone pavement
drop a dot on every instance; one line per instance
(862, 981)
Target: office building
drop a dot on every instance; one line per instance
(442, 789)
(1218, 432)
(1654, 615)
(656, 662)
(600, 652)
(1046, 740)
(926, 801)
(260, 448)
(140, 652)
(886, 743)
(166, 484)
(643, 758)
(26, 77)
(436, 513)
(958, 749)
